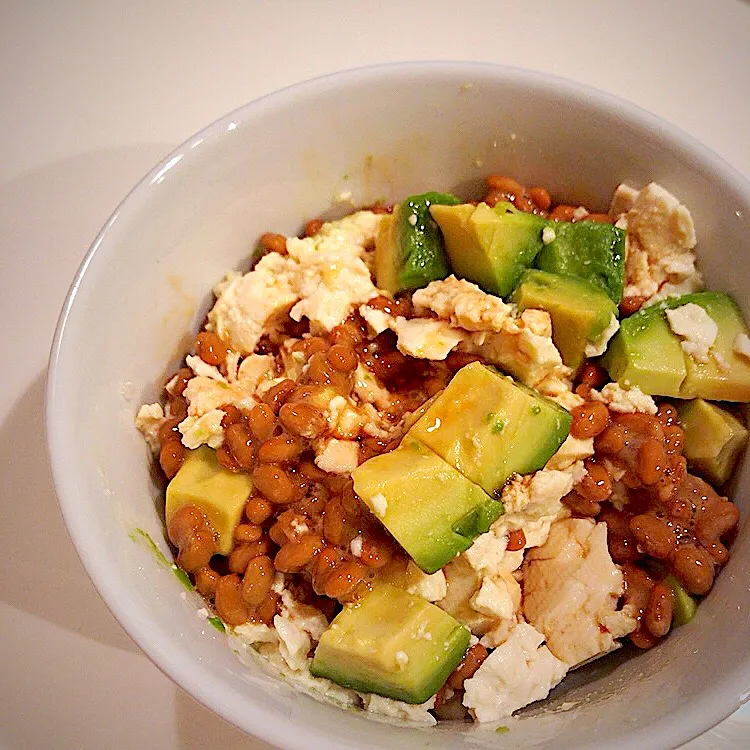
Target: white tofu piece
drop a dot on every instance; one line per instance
(659, 257)
(427, 338)
(463, 304)
(516, 673)
(625, 400)
(387, 707)
(432, 587)
(571, 451)
(695, 327)
(203, 430)
(149, 419)
(337, 456)
(571, 589)
(255, 303)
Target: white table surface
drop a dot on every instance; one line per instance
(92, 94)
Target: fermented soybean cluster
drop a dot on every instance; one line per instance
(428, 458)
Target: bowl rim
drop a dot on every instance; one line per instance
(167, 656)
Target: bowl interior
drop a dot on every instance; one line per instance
(317, 149)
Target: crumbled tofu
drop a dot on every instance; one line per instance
(377, 320)
(516, 673)
(623, 200)
(538, 494)
(402, 659)
(379, 504)
(344, 419)
(572, 450)
(695, 327)
(482, 593)
(625, 400)
(489, 554)
(426, 338)
(369, 389)
(580, 213)
(323, 278)
(659, 257)
(521, 345)
(560, 390)
(199, 367)
(254, 369)
(598, 347)
(149, 419)
(463, 304)
(571, 589)
(293, 360)
(432, 587)
(376, 704)
(548, 235)
(661, 223)
(203, 430)
(256, 632)
(333, 275)
(741, 345)
(499, 596)
(462, 583)
(297, 626)
(337, 456)
(232, 365)
(258, 302)
(204, 393)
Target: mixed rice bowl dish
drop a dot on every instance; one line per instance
(427, 459)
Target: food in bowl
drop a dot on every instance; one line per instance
(430, 457)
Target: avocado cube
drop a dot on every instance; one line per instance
(221, 494)
(579, 310)
(409, 251)
(590, 250)
(727, 379)
(714, 439)
(431, 510)
(490, 246)
(391, 643)
(645, 353)
(488, 427)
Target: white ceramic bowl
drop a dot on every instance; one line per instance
(376, 133)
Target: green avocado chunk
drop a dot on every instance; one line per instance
(432, 510)
(590, 250)
(393, 644)
(580, 311)
(490, 246)
(409, 251)
(488, 427)
(714, 439)
(725, 377)
(221, 494)
(646, 353)
(684, 606)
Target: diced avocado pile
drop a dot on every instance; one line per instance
(580, 267)
(646, 353)
(391, 643)
(437, 491)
